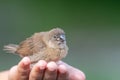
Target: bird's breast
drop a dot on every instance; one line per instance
(58, 53)
(49, 54)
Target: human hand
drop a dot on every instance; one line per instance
(44, 71)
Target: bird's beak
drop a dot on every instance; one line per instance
(62, 38)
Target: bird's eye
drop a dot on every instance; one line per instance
(55, 36)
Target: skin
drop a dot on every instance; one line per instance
(42, 71)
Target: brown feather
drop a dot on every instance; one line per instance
(42, 46)
(31, 45)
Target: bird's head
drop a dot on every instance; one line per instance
(57, 38)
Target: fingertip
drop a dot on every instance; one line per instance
(62, 69)
(51, 66)
(26, 61)
(79, 76)
(42, 64)
(51, 71)
(37, 71)
(83, 75)
(63, 73)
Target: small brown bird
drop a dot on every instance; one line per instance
(49, 46)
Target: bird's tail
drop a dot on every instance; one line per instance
(11, 48)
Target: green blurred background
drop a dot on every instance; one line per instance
(92, 29)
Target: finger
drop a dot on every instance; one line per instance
(73, 73)
(23, 69)
(51, 71)
(13, 74)
(76, 74)
(16, 72)
(38, 71)
(62, 73)
(4, 75)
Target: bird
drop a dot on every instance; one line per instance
(46, 45)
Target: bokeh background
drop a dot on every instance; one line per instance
(92, 29)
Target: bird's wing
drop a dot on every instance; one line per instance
(31, 45)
